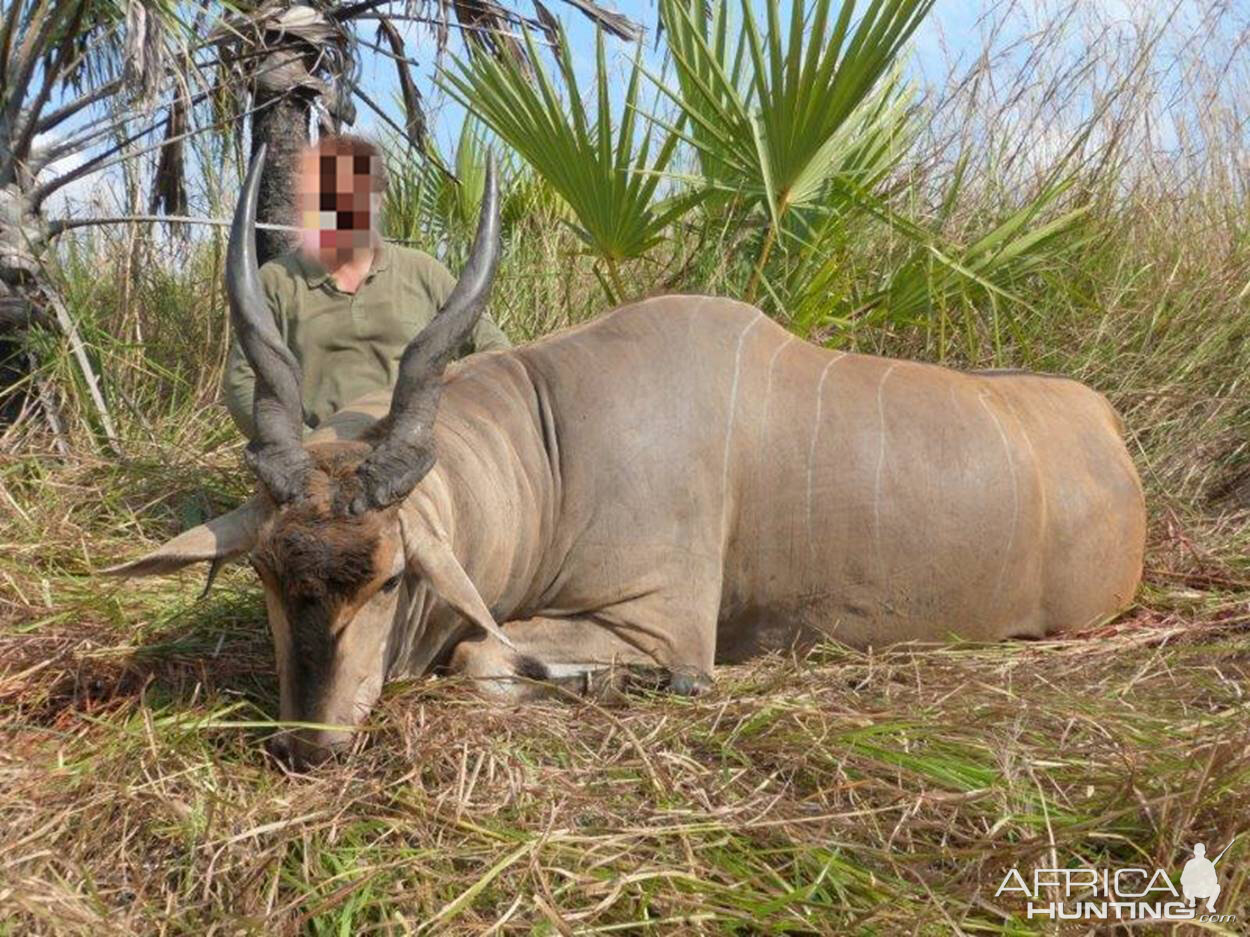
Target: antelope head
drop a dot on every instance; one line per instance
(342, 551)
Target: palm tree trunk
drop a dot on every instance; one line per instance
(14, 361)
(281, 124)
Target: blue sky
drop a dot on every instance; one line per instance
(950, 35)
(950, 28)
(951, 24)
(1197, 64)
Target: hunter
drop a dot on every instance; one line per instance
(345, 302)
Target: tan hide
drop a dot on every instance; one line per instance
(684, 479)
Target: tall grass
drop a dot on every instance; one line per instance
(846, 793)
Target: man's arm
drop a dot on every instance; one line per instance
(238, 384)
(238, 387)
(487, 336)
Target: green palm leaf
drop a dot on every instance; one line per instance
(767, 113)
(933, 274)
(608, 176)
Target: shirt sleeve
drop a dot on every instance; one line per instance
(487, 336)
(239, 381)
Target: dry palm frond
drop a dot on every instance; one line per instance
(414, 114)
(291, 49)
(169, 187)
(486, 25)
(615, 23)
(549, 25)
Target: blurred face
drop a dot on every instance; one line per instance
(338, 197)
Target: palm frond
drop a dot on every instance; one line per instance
(934, 273)
(768, 112)
(609, 176)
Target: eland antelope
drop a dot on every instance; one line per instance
(677, 483)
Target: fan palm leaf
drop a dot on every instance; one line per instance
(767, 113)
(608, 176)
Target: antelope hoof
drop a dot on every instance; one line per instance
(688, 682)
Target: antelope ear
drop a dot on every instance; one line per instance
(217, 541)
(427, 548)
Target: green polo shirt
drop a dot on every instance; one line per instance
(348, 344)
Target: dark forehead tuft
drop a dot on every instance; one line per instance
(315, 547)
(320, 555)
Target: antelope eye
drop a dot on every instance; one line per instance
(392, 584)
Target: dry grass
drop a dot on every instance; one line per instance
(877, 793)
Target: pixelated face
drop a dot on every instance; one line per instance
(338, 195)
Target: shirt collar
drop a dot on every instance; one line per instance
(313, 273)
(381, 258)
